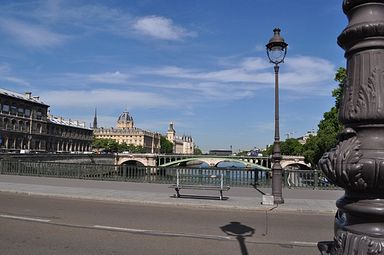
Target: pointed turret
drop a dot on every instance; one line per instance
(95, 120)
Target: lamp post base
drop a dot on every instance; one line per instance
(278, 200)
(277, 182)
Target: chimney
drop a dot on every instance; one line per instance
(28, 95)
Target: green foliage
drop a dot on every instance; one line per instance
(268, 151)
(291, 146)
(197, 151)
(341, 77)
(329, 127)
(166, 146)
(110, 145)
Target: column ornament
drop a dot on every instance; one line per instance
(357, 163)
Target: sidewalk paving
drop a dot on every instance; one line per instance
(303, 200)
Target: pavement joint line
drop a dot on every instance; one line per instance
(23, 218)
(162, 233)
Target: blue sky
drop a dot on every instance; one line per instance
(198, 63)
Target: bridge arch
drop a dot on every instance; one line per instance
(295, 166)
(132, 162)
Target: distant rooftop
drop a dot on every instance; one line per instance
(69, 122)
(27, 96)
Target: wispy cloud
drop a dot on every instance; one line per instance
(94, 18)
(29, 35)
(104, 98)
(302, 74)
(160, 28)
(109, 78)
(6, 75)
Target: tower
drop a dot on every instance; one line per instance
(171, 133)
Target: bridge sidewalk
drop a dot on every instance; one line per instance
(319, 201)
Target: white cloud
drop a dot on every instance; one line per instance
(302, 74)
(15, 80)
(104, 98)
(160, 28)
(31, 35)
(109, 78)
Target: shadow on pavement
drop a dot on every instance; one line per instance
(199, 197)
(239, 231)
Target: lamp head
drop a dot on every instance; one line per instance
(276, 48)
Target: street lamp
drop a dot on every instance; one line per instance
(276, 51)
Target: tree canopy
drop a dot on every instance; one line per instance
(110, 145)
(166, 146)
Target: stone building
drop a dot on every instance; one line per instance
(181, 144)
(26, 125)
(126, 132)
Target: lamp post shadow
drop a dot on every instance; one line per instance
(239, 231)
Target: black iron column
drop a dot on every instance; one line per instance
(276, 51)
(277, 170)
(357, 162)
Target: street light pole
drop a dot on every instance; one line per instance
(276, 52)
(277, 170)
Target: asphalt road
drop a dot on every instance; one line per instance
(41, 225)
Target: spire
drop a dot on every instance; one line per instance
(95, 120)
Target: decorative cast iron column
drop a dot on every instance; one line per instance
(357, 162)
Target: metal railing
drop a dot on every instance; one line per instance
(309, 179)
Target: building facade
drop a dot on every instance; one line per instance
(26, 125)
(181, 145)
(126, 132)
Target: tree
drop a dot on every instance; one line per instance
(110, 145)
(291, 146)
(329, 127)
(197, 151)
(166, 146)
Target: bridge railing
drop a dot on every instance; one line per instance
(235, 177)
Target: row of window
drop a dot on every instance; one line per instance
(20, 143)
(19, 111)
(69, 133)
(24, 126)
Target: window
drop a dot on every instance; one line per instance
(39, 128)
(39, 115)
(13, 109)
(20, 111)
(27, 113)
(5, 108)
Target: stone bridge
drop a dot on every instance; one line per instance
(287, 162)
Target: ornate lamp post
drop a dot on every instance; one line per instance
(357, 162)
(276, 51)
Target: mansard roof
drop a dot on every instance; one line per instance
(69, 122)
(27, 96)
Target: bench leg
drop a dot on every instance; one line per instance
(221, 195)
(177, 192)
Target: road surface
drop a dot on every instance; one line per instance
(41, 225)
